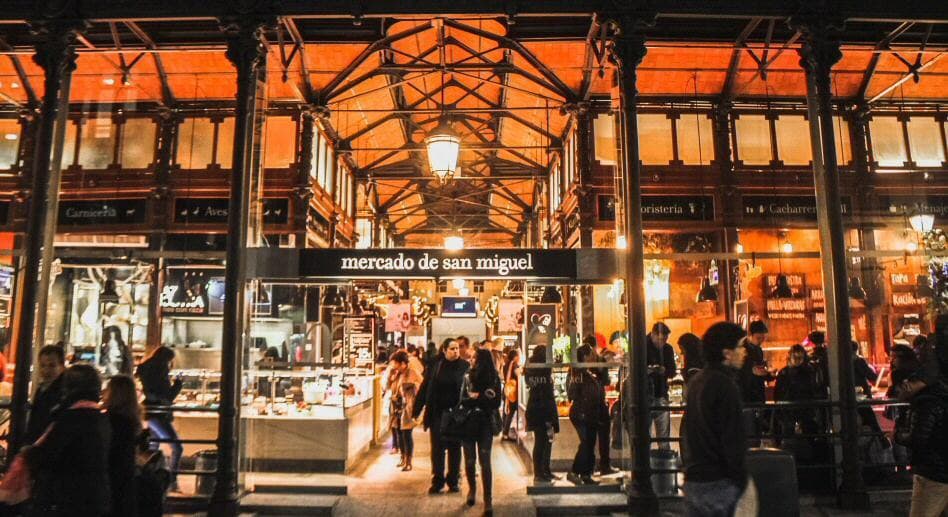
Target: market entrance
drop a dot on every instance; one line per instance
(323, 323)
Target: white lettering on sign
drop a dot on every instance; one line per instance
(502, 266)
(74, 213)
(167, 300)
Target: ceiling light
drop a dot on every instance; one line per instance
(922, 223)
(707, 293)
(108, 81)
(443, 145)
(464, 291)
(621, 242)
(911, 246)
(786, 247)
(458, 283)
(11, 136)
(14, 85)
(738, 248)
(454, 242)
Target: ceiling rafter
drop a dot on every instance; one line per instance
(730, 81)
(31, 97)
(884, 44)
(167, 94)
(912, 74)
(300, 50)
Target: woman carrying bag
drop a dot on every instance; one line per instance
(404, 393)
(483, 397)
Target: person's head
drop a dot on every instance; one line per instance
(538, 355)
(166, 355)
(121, 397)
(659, 334)
(855, 346)
(464, 346)
(444, 345)
(452, 351)
(818, 338)
(797, 355)
(690, 345)
(82, 382)
(400, 360)
(757, 332)
(590, 341)
(112, 334)
(903, 357)
(721, 344)
(499, 343)
(513, 356)
(51, 363)
(484, 366)
(585, 354)
(615, 338)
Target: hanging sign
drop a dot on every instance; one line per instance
(360, 339)
(510, 315)
(907, 300)
(109, 211)
(436, 263)
(398, 317)
(783, 208)
(786, 308)
(194, 292)
(677, 208)
(214, 210)
(907, 205)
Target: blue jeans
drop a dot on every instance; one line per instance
(164, 430)
(711, 499)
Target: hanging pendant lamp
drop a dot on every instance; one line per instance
(443, 145)
(783, 289)
(707, 292)
(551, 295)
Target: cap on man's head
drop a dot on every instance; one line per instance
(757, 327)
(661, 328)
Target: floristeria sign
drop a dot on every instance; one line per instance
(434, 263)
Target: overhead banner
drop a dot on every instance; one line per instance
(902, 206)
(214, 210)
(783, 208)
(437, 263)
(108, 211)
(398, 317)
(677, 208)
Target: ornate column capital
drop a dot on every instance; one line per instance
(820, 51)
(246, 45)
(626, 46)
(55, 52)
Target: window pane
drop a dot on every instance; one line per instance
(195, 143)
(888, 143)
(753, 139)
(280, 142)
(9, 142)
(844, 152)
(225, 143)
(655, 139)
(69, 146)
(925, 139)
(138, 143)
(793, 140)
(604, 129)
(695, 139)
(314, 162)
(98, 143)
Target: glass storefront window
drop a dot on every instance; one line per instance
(888, 142)
(280, 142)
(225, 143)
(138, 143)
(195, 143)
(9, 142)
(655, 139)
(604, 129)
(695, 139)
(753, 139)
(97, 143)
(793, 140)
(925, 141)
(844, 153)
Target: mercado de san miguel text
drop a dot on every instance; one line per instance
(287, 194)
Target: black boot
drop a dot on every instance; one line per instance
(471, 491)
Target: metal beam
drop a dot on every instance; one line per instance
(20, 73)
(730, 80)
(906, 77)
(876, 56)
(167, 94)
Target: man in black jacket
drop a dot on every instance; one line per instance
(753, 379)
(50, 366)
(440, 391)
(928, 428)
(660, 357)
(713, 440)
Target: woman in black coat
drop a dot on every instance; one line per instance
(154, 373)
(483, 395)
(589, 404)
(797, 382)
(70, 462)
(542, 417)
(120, 401)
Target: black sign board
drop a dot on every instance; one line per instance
(907, 206)
(4, 212)
(109, 211)
(783, 208)
(214, 210)
(677, 208)
(194, 292)
(606, 207)
(437, 263)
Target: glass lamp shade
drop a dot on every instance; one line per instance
(454, 243)
(922, 223)
(443, 145)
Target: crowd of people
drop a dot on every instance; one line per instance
(89, 445)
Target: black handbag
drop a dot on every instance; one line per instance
(455, 422)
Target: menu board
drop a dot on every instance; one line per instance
(360, 342)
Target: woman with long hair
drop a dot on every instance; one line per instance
(483, 394)
(511, 391)
(160, 392)
(404, 394)
(542, 417)
(120, 401)
(115, 356)
(589, 398)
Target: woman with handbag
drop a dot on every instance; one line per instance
(404, 394)
(589, 399)
(543, 420)
(511, 391)
(483, 397)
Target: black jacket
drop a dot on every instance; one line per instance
(864, 375)
(484, 404)
(753, 387)
(156, 384)
(713, 440)
(441, 389)
(541, 403)
(41, 414)
(928, 429)
(71, 465)
(122, 453)
(665, 358)
(796, 383)
(588, 398)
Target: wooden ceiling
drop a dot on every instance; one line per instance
(504, 87)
